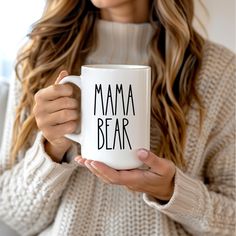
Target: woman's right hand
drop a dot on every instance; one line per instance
(56, 112)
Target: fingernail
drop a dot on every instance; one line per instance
(78, 162)
(87, 164)
(77, 158)
(93, 165)
(142, 154)
(63, 73)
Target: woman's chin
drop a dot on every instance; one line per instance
(108, 3)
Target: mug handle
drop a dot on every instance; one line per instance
(76, 80)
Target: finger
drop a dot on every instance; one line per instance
(106, 171)
(158, 165)
(135, 179)
(76, 90)
(62, 74)
(53, 92)
(62, 116)
(80, 160)
(61, 104)
(58, 131)
(95, 172)
(123, 177)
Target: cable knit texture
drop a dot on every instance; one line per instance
(41, 197)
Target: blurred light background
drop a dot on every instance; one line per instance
(16, 18)
(219, 20)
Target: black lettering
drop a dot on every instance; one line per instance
(98, 90)
(130, 97)
(117, 132)
(125, 123)
(106, 121)
(109, 100)
(119, 90)
(100, 134)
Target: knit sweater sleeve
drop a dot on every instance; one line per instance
(30, 191)
(207, 206)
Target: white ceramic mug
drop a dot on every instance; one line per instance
(115, 113)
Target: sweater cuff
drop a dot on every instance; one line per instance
(185, 201)
(39, 167)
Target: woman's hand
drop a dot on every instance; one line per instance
(157, 181)
(56, 113)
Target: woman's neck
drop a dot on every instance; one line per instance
(129, 12)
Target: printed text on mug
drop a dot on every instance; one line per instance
(110, 100)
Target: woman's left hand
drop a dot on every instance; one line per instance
(157, 181)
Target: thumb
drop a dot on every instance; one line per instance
(62, 74)
(158, 165)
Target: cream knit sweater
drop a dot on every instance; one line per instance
(41, 197)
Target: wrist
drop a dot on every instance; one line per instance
(167, 193)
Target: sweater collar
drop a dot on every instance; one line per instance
(123, 43)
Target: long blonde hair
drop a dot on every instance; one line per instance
(65, 35)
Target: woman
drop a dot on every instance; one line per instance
(188, 188)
